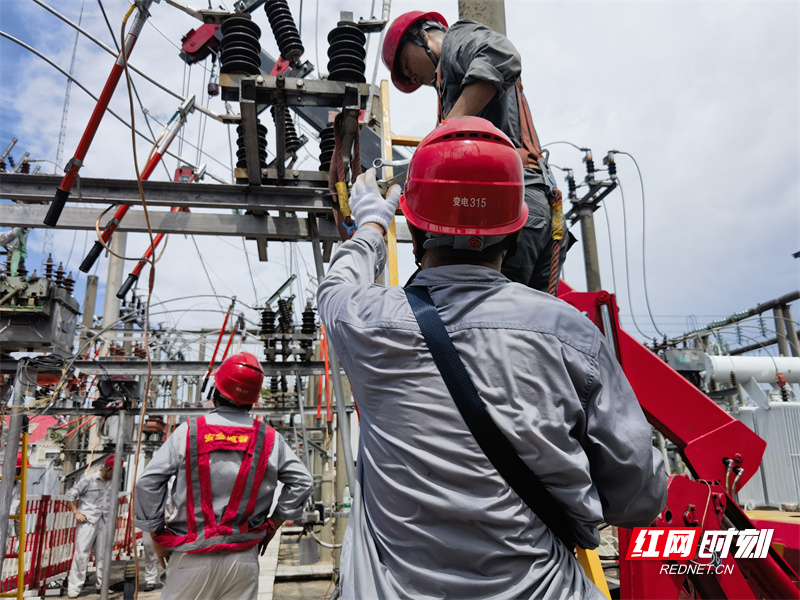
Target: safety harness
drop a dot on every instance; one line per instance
(533, 157)
(233, 533)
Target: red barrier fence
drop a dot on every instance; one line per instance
(50, 532)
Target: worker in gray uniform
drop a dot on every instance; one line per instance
(90, 501)
(431, 516)
(227, 467)
(476, 71)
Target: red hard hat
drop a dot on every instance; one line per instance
(465, 178)
(109, 462)
(240, 378)
(391, 43)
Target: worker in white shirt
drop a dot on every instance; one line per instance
(89, 500)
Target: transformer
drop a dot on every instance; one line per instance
(37, 315)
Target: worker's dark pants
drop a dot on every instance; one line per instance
(530, 264)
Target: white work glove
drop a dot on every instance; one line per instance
(367, 205)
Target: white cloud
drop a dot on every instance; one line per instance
(704, 96)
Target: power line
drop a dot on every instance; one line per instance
(203, 263)
(644, 246)
(627, 260)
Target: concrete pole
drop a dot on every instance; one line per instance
(590, 257)
(342, 422)
(491, 13)
(780, 330)
(24, 385)
(89, 302)
(116, 477)
(791, 331)
(113, 282)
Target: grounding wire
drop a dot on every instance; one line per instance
(644, 247)
(136, 70)
(201, 133)
(627, 260)
(135, 91)
(111, 112)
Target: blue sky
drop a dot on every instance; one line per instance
(705, 96)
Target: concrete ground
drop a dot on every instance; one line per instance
(282, 576)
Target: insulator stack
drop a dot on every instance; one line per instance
(2, 166)
(267, 321)
(327, 142)
(60, 275)
(346, 53)
(241, 153)
(291, 139)
(573, 188)
(284, 29)
(25, 168)
(273, 386)
(48, 267)
(21, 270)
(69, 283)
(309, 324)
(240, 47)
(284, 384)
(589, 163)
(285, 318)
(612, 165)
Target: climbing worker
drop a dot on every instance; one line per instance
(90, 501)
(476, 71)
(223, 491)
(432, 516)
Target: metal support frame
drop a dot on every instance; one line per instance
(343, 424)
(116, 478)
(24, 385)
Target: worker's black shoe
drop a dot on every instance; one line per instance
(149, 587)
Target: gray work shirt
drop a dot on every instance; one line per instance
(471, 53)
(283, 465)
(93, 495)
(431, 516)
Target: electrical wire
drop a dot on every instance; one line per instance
(627, 261)
(138, 98)
(644, 246)
(568, 144)
(115, 115)
(316, 39)
(161, 86)
(610, 249)
(250, 271)
(203, 263)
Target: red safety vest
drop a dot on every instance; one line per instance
(232, 533)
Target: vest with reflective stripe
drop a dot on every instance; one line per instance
(232, 533)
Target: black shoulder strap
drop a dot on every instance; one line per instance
(489, 437)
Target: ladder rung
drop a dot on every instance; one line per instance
(405, 140)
